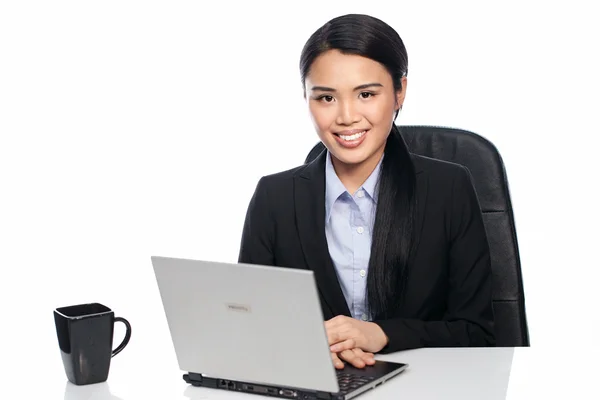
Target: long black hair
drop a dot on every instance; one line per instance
(393, 229)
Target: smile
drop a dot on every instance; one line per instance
(351, 139)
(354, 136)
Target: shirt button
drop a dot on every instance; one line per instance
(360, 194)
(363, 272)
(360, 229)
(364, 317)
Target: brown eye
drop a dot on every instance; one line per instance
(327, 99)
(366, 95)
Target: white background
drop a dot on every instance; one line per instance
(138, 128)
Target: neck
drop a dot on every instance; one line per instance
(353, 176)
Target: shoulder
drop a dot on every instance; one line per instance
(437, 168)
(281, 178)
(446, 179)
(280, 183)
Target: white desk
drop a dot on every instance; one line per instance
(472, 373)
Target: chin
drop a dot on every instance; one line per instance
(350, 157)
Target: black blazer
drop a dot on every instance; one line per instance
(448, 298)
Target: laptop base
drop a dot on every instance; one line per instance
(363, 379)
(265, 390)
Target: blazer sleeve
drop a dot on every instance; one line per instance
(469, 319)
(258, 232)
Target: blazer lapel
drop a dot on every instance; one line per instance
(309, 199)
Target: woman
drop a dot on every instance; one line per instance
(396, 241)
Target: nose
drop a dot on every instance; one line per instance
(347, 114)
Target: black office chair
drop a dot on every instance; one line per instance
(484, 162)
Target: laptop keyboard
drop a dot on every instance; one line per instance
(348, 382)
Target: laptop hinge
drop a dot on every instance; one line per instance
(194, 379)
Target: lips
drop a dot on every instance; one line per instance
(351, 138)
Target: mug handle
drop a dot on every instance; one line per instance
(127, 336)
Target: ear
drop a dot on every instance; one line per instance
(400, 94)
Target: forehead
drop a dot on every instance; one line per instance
(338, 70)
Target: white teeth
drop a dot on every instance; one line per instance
(350, 138)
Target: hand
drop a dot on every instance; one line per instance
(345, 333)
(356, 357)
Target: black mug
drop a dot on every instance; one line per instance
(85, 337)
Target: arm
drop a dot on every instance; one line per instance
(258, 232)
(469, 319)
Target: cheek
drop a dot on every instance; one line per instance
(379, 114)
(323, 117)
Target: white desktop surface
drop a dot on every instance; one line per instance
(445, 373)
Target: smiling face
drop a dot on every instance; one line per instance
(352, 102)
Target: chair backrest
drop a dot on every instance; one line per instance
(484, 162)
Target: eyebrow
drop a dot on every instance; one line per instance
(359, 87)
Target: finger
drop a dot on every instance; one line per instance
(338, 336)
(337, 363)
(347, 344)
(368, 358)
(333, 337)
(340, 333)
(335, 321)
(351, 357)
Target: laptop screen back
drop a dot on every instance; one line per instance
(247, 323)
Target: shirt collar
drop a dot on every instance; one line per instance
(370, 184)
(334, 188)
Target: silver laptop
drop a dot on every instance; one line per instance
(255, 329)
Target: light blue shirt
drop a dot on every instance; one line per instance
(348, 227)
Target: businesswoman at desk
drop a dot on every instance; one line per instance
(396, 241)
